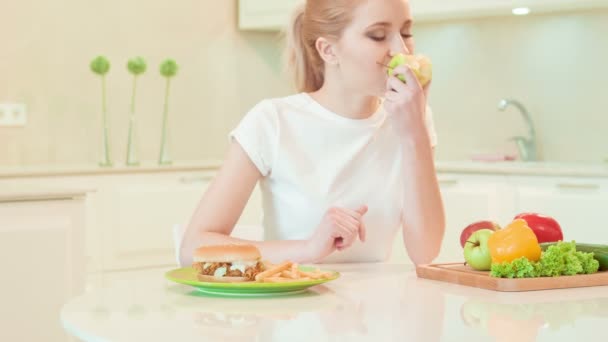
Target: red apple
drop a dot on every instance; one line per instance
(475, 226)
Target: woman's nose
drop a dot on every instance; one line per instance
(398, 46)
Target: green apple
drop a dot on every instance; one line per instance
(420, 65)
(425, 72)
(476, 251)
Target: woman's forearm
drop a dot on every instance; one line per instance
(273, 251)
(423, 216)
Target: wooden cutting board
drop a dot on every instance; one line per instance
(458, 273)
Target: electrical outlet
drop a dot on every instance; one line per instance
(13, 115)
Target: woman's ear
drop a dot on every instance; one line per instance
(326, 51)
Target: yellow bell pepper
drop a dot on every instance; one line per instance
(516, 240)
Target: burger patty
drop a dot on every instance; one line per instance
(250, 272)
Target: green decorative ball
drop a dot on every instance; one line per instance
(100, 65)
(136, 65)
(168, 68)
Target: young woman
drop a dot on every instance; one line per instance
(344, 163)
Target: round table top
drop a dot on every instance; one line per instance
(369, 302)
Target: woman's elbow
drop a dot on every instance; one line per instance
(189, 241)
(429, 250)
(425, 257)
(194, 238)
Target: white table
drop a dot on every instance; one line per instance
(369, 302)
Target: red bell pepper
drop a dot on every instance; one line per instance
(545, 228)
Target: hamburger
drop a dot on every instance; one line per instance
(227, 263)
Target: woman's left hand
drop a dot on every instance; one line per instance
(406, 102)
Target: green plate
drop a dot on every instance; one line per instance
(187, 276)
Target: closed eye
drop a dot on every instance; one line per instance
(377, 38)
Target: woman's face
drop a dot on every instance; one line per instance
(379, 29)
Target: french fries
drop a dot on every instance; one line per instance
(288, 271)
(273, 270)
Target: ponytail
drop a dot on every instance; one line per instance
(311, 20)
(302, 57)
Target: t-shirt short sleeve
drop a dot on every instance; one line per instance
(257, 134)
(430, 126)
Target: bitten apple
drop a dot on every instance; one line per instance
(420, 65)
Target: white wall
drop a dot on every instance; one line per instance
(555, 64)
(44, 62)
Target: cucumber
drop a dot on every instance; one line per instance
(600, 252)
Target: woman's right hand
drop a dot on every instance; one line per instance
(338, 229)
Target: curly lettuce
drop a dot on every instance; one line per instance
(558, 260)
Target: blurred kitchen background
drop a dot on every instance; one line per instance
(86, 222)
(552, 62)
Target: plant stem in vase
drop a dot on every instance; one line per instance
(100, 66)
(136, 66)
(168, 69)
(164, 158)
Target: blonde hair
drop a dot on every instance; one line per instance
(311, 20)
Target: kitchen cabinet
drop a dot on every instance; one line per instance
(142, 210)
(265, 15)
(432, 10)
(578, 204)
(130, 216)
(42, 262)
(468, 198)
(273, 15)
(139, 214)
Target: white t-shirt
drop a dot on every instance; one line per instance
(312, 159)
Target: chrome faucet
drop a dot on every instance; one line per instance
(526, 145)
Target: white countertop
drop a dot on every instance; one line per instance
(525, 168)
(369, 302)
(473, 167)
(19, 193)
(44, 170)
